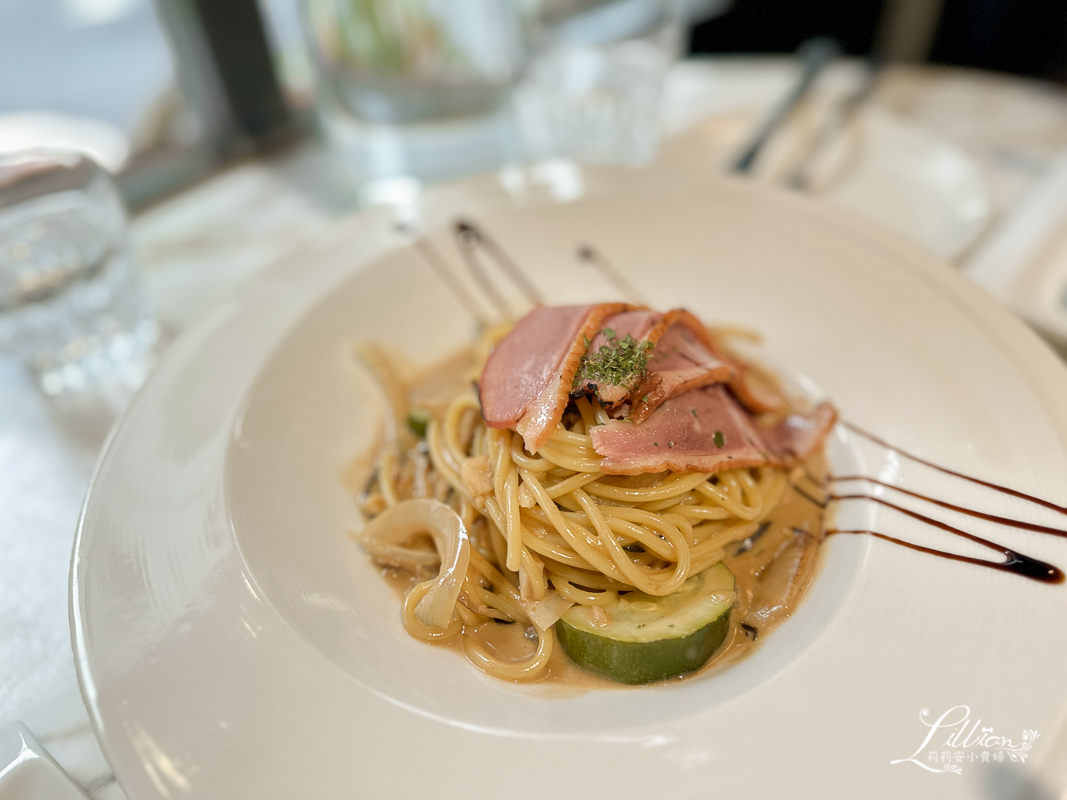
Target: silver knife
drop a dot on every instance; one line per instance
(814, 55)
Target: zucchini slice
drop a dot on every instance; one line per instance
(653, 638)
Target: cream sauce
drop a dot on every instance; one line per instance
(772, 571)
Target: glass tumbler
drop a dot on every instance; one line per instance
(71, 307)
(595, 92)
(415, 87)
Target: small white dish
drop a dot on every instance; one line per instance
(915, 183)
(881, 166)
(232, 642)
(1023, 262)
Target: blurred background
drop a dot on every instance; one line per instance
(934, 117)
(1028, 38)
(163, 92)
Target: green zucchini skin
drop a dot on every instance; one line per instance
(642, 662)
(653, 638)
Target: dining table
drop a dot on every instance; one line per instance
(981, 153)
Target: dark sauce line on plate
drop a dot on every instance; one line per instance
(467, 242)
(989, 485)
(610, 274)
(1027, 526)
(470, 237)
(1015, 562)
(440, 267)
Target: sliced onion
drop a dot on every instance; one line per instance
(394, 555)
(545, 613)
(398, 524)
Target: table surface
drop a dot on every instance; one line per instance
(194, 248)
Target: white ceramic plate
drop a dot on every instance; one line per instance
(232, 642)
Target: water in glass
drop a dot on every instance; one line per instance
(70, 304)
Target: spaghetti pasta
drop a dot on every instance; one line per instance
(548, 530)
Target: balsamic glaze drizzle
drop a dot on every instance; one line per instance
(1015, 562)
(467, 242)
(994, 486)
(1027, 526)
(440, 267)
(469, 239)
(611, 275)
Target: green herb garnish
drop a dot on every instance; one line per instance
(418, 419)
(621, 362)
(719, 440)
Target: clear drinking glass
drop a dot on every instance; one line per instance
(71, 307)
(595, 92)
(414, 87)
